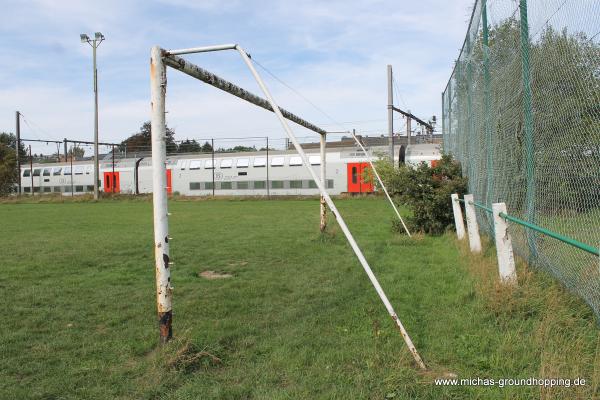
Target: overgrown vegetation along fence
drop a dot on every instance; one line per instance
(521, 112)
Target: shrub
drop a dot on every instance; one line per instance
(426, 190)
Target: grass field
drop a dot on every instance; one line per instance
(298, 319)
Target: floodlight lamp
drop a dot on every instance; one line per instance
(84, 38)
(99, 36)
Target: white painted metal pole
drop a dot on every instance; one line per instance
(472, 226)
(380, 182)
(203, 49)
(458, 217)
(390, 113)
(158, 87)
(323, 210)
(504, 250)
(334, 211)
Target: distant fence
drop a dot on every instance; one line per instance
(521, 112)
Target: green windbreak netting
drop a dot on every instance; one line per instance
(521, 112)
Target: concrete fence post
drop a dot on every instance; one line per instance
(458, 217)
(504, 250)
(472, 226)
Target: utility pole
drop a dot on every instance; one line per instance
(390, 112)
(17, 148)
(408, 129)
(98, 38)
(31, 170)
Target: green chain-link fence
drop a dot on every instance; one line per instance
(521, 112)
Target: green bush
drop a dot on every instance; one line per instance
(426, 190)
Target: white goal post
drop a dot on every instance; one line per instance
(159, 60)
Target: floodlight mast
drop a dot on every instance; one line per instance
(98, 38)
(158, 88)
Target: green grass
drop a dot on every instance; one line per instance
(298, 319)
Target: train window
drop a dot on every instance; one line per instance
(78, 170)
(88, 169)
(295, 161)
(194, 185)
(36, 172)
(68, 189)
(27, 189)
(295, 184)
(227, 163)
(46, 172)
(276, 184)
(47, 189)
(90, 188)
(329, 183)
(57, 189)
(56, 171)
(79, 189)
(354, 175)
(314, 160)
(209, 164)
(312, 184)
(36, 189)
(242, 163)
(260, 184)
(181, 164)
(208, 185)
(277, 161)
(242, 185)
(260, 162)
(26, 172)
(195, 164)
(67, 171)
(225, 185)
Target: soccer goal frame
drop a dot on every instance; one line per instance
(160, 59)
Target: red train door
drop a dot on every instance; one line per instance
(169, 182)
(358, 174)
(353, 177)
(112, 182)
(366, 185)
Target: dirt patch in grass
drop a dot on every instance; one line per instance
(211, 275)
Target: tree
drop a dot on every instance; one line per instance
(207, 147)
(142, 140)
(76, 152)
(236, 149)
(189, 146)
(8, 163)
(426, 190)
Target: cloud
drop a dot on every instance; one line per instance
(335, 53)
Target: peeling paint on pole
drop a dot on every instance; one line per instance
(472, 225)
(458, 217)
(323, 210)
(220, 83)
(158, 86)
(504, 250)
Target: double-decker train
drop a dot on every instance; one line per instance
(236, 174)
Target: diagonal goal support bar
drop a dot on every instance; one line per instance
(159, 60)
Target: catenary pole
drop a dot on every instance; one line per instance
(390, 112)
(18, 148)
(31, 170)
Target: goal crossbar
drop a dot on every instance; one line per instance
(194, 71)
(158, 62)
